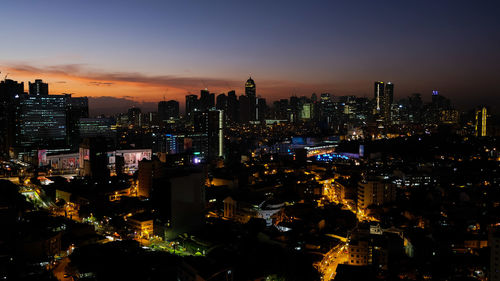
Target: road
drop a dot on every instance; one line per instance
(328, 265)
(60, 270)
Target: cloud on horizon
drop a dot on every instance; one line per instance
(139, 89)
(175, 83)
(83, 72)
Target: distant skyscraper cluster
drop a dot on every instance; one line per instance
(37, 120)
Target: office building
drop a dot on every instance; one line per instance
(379, 95)
(306, 111)
(38, 88)
(375, 192)
(207, 100)
(96, 127)
(76, 108)
(221, 102)
(211, 125)
(261, 110)
(168, 110)
(93, 159)
(232, 107)
(245, 109)
(250, 89)
(134, 116)
(10, 91)
(192, 105)
(41, 121)
(481, 121)
(388, 100)
(250, 93)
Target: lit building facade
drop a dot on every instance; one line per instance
(481, 118)
(375, 192)
(41, 121)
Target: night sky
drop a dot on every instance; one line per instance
(148, 50)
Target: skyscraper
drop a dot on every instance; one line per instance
(261, 109)
(232, 106)
(76, 108)
(210, 125)
(379, 95)
(250, 92)
(168, 109)
(207, 100)
(222, 102)
(215, 133)
(38, 88)
(481, 121)
(388, 100)
(42, 121)
(134, 116)
(192, 104)
(10, 91)
(244, 114)
(384, 97)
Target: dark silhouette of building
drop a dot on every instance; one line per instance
(134, 116)
(93, 158)
(76, 108)
(10, 91)
(207, 100)
(38, 88)
(168, 110)
(222, 102)
(261, 109)
(245, 110)
(232, 107)
(192, 104)
(250, 92)
(384, 97)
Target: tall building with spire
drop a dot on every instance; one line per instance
(250, 90)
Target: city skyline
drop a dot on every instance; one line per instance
(126, 53)
(249, 140)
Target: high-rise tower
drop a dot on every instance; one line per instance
(250, 88)
(481, 121)
(38, 88)
(250, 92)
(388, 100)
(379, 95)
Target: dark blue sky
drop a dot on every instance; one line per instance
(146, 49)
